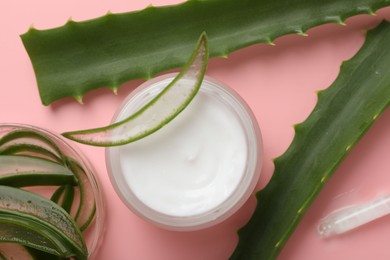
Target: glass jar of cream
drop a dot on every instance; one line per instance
(197, 170)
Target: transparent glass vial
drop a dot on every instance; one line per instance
(149, 185)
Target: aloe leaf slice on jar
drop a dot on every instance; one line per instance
(159, 111)
(22, 171)
(25, 211)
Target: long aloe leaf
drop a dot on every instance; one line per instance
(105, 52)
(344, 112)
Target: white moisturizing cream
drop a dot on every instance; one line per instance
(195, 171)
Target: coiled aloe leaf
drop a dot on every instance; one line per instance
(344, 112)
(105, 52)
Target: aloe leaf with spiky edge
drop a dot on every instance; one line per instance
(105, 52)
(344, 112)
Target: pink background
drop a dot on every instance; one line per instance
(279, 83)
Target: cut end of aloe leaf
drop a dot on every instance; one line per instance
(159, 111)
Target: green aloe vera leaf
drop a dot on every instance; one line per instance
(344, 112)
(57, 194)
(87, 205)
(31, 150)
(67, 198)
(29, 232)
(21, 171)
(40, 211)
(64, 196)
(25, 136)
(73, 59)
(159, 111)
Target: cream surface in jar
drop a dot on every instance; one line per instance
(195, 171)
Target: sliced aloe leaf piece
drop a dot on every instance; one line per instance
(28, 232)
(343, 114)
(64, 196)
(57, 194)
(28, 209)
(67, 198)
(87, 205)
(159, 111)
(26, 136)
(21, 171)
(31, 150)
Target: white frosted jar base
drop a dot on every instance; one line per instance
(195, 171)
